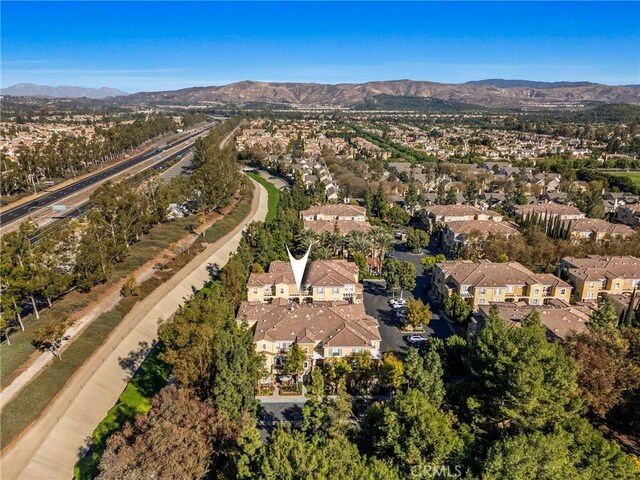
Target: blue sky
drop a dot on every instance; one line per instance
(165, 45)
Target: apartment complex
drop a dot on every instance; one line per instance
(629, 215)
(597, 229)
(484, 282)
(323, 330)
(597, 275)
(340, 217)
(434, 215)
(549, 210)
(324, 280)
(326, 318)
(559, 317)
(456, 234)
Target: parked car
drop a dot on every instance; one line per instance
(416, 339)
(398, 303)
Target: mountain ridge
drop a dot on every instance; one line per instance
(62, 91)
(485, 93)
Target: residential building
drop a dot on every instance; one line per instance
(323, 330)
(559, 317)
(324, 280)
(629, 215)
(434, 215)
(339, 217)
(597, 275)
(549, 210)
(456, 234)
(484, 282)
(596, 229)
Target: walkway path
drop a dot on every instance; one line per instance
(51, 446)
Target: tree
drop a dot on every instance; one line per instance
(407, 276)
(233, 278)
(181, 437)
(396, 215)
(363, 371)
(361, 261)
(418, 314)
(335, 372)
(391, 371)
(429, 261)
(294, 364)
(452, 197)
(417, 239)
(130, 287)
(425, 375)
(574, 449)
(607, 370)
(289, 456)
(458, 308)
(391, 274)
(359, 242)
(604, 316)
(381, 242)
(49, 336)
(520, 381)
(629, 314)
(441, 194)
(409, 431)
(471, 192)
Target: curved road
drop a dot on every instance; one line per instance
(50, 447)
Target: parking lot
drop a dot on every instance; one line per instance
(376, 303)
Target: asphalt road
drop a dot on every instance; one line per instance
(376, 303)
(50, 198)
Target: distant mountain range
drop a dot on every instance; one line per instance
(487, 93)
(33, 90)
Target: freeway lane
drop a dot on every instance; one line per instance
(24, 210)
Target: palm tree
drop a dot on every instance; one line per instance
(334, 242)
(307, 239)
(359, 242)
(381, 241)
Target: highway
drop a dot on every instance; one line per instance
(165, 176)
(25, 209)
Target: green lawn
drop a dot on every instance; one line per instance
(136, 399)
(274, 195)
(634, 176)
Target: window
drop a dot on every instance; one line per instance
(305, 365)
(281, 290)
(592, 284)
(320, 290)
(264, 346)
(335, 352)
(483, 291)
(590, 295)
(336, 290)
(534, 301)
(563, 291)
(255, 290)
(498, 291)
(617, 285)
(482, 301)
(536, 291)
(510, 288)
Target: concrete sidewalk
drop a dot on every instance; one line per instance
(51, 446)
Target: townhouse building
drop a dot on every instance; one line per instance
(597, 229)
(341, 217)
(458, 234)
(434, 215)
(323, 330)
(597, 275)
(485, 282)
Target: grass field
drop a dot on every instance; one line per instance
(634, 176)
(29, 402)
(136, 399)
(274, 195)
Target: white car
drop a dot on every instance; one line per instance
(398, 303)
(416, 339)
